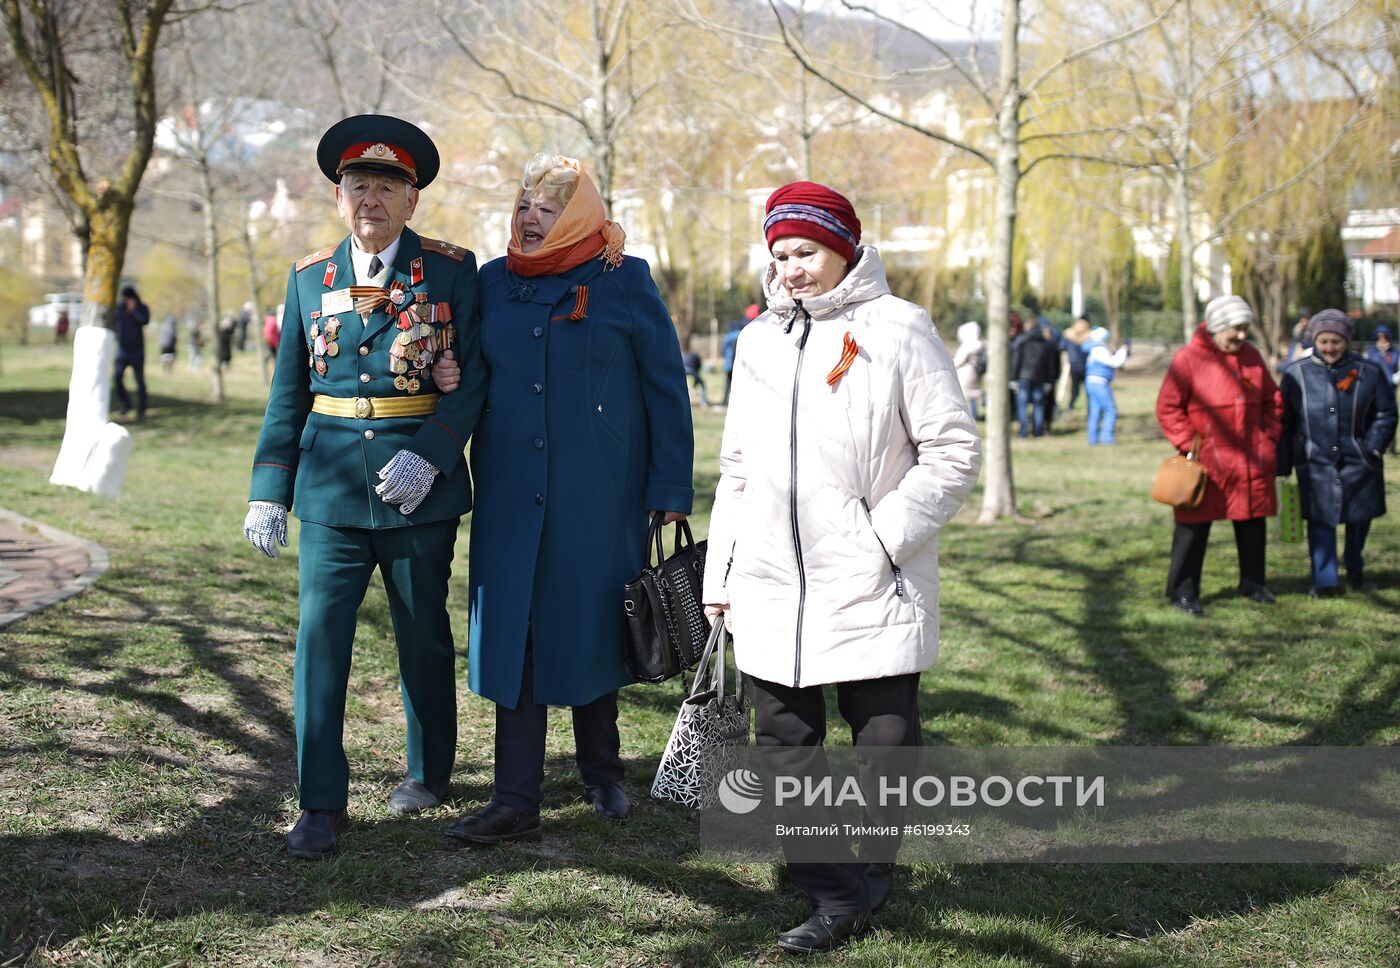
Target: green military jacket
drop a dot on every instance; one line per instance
(325, 468)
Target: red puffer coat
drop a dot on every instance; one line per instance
(1233, 403)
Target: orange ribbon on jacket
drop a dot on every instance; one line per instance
(1344, 384)
(849, 350)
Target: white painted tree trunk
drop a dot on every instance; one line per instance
(94, 452)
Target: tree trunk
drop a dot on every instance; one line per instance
(1186, 246)
(211, 285)
(998, 490)
(94, 452)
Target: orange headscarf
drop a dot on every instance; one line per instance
(582, 232)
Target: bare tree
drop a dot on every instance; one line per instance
(75, 55)
(581, 72)
(1003, 101)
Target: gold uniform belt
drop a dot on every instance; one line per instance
(372, 408)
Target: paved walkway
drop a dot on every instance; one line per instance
(40, 565)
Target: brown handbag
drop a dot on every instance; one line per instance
(1181, 481)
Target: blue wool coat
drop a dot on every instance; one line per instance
(586, 429)
(1335, 437)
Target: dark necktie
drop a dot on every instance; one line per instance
(374, 266)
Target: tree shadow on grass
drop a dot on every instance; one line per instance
(225, 857)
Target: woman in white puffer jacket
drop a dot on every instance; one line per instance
(847, 447)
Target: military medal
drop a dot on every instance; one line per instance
(320, 366)
(400, 383)
(332, 349)
(398, 366)
(332, 328)
(413, 385)
(329, 277)
(416, 270)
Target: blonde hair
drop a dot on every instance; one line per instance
(550, 175)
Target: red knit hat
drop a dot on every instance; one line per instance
(811, 211)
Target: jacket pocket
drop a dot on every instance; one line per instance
(898, 575)
(308, 438)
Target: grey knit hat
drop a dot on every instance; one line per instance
(1222, 312)
(1330, 321)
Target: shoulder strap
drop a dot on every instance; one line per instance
(454, 252)
(320, 255)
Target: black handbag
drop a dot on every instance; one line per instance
(666, 627)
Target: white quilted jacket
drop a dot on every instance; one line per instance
(824, 534)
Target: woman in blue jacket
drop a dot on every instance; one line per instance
(1338, 418)
(586, 430)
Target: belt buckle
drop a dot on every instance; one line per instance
(364, 408)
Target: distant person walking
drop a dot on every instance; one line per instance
(1219, 387)
(1338, 418)
(60, 327)
(693, 365)
(1099, 369)
(1034, 361)
(731, 346)
(196, 341)
(168, 329)
(1382, 352)
(970, 360)
(1076, 355)
(132, 317)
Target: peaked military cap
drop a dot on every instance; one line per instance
(380, 144)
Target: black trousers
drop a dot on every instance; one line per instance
(520, 735)
(790, 726)
(138, 369)
(1189, 555)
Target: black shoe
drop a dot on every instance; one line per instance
(821, 932)
(1256, 593)
(879, 880)
(1331, 591)
(610, 800)
(1357, 580)
(495, 823)
(313, 837)
(411, 797)
(1192, 606)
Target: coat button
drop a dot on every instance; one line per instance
(538, 388)
(539, 498)
(364, 351)
(1334, 448)
(537, 332)
(364, 377)
(1331, 409)
(369, 435)
(539, 443)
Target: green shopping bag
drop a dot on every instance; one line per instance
(1290, 512)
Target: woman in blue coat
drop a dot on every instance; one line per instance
(1338, 418)
(586, 431)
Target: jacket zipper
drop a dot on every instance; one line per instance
(730, 564)
(792, 490)
(898, 575)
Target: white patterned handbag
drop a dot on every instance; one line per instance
(711, 730)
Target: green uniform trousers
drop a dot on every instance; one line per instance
(336, 563)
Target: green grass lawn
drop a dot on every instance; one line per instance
(147, 767)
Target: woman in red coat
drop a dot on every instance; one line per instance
(1219, 386)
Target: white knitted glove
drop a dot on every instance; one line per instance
(407, 479)
(265, 527)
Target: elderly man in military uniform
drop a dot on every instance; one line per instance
(360, 445)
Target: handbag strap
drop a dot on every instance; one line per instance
(1195, 452)
(654, 540)
(683, 538)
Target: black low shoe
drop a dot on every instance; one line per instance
(610, 801)
(1256, 593)
(821, 932)
(411, 797)
(1191, 606)
(315, 832)
(495, 823)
